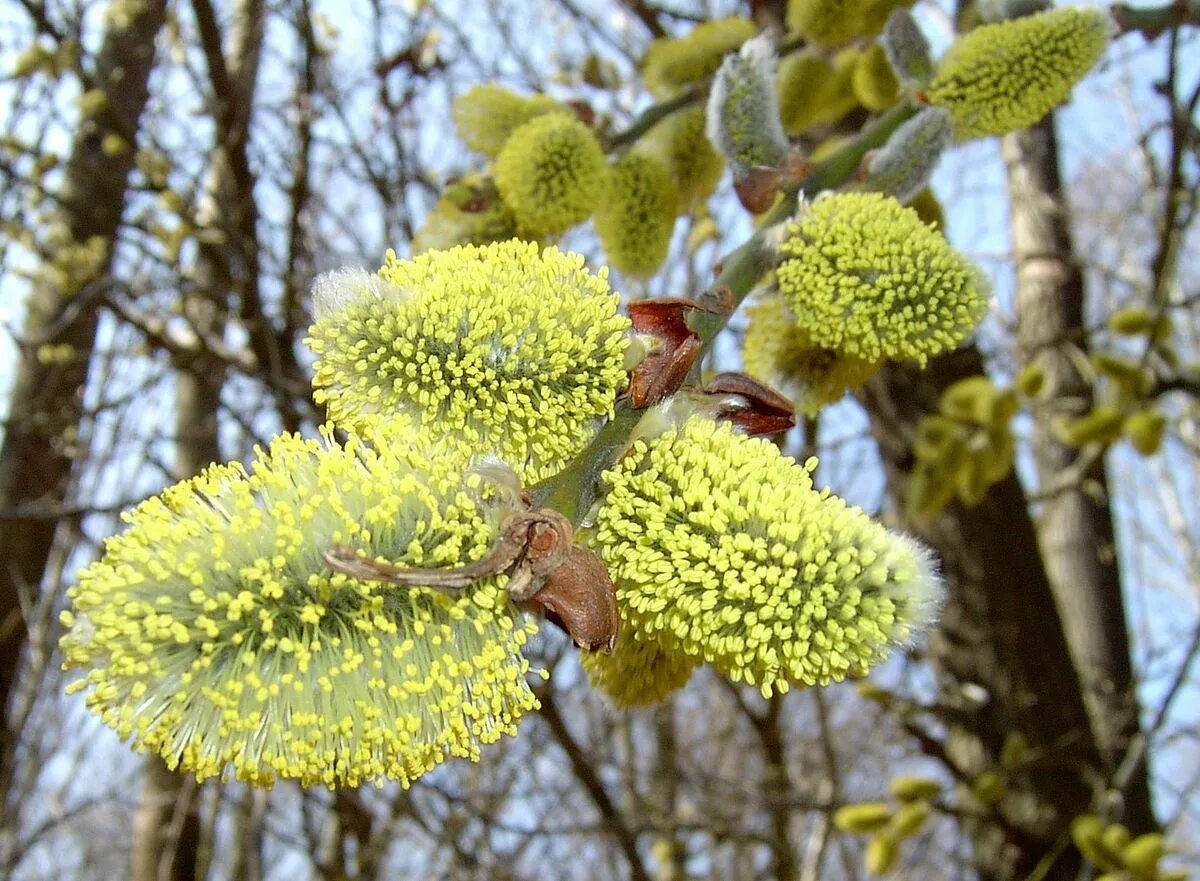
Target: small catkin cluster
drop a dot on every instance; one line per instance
(505, 349)
(636, 219)
(551, 173)
(673, 64)
(486, 115)
(865, 276)
(694, 164)
(743, 109)
(833, 22)
(637, 673)
(214, 635)
(1006, 76)
(963, 449)
(721, 549)
(777, 352)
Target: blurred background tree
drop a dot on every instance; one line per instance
(175, 174)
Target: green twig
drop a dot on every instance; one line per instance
(655, 114)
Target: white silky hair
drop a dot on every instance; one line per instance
(336, 291)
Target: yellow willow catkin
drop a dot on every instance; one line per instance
(672, 64)
(486, 115)
(637, 673)
(1006, 76)
(505, 349)
(695, 165)
(213, 634)
(777, 352)
(721, 548)
(637, 216)
(551, 173)
(863, 275)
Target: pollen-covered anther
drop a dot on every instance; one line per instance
(506, 349)
(721, 549)
(637, 673)
(551, 174)
(1005, 76)
(214, 633)
(863, 276)
(637, 216)
(779, 352)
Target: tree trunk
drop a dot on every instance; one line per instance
(1074, 525)
(219, 271)
(165, 816)
(46, 403)
(1000, 651)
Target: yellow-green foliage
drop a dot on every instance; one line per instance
(833, 22)
(1136, 321)
(778, 352)
(962, 450)
(1006, 76)
(928, 208)
(551, 174)
(813, 91)
(866, 277)
(449, 224)
(213, 634)
(637, 673)
(1031, 380)
(874, 81)
(1119, 855)
(1100, 426)
(907, 788)
(503, 349)
(909, 818)
(1145, 429)
(989, 787)
(486, 115)
(1132, 378)
(721, 549)
(862, 818)
(636, 219)
(695, 165)
(671, 64)
(882, 853)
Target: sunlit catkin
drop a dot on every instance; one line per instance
(721, 548)
(506, 349)
(213, 634)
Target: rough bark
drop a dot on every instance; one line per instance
(1000, 650)
(1074, 523)
(46, 404)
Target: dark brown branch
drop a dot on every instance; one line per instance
(585, 772)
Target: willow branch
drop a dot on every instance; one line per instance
(573, 490)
